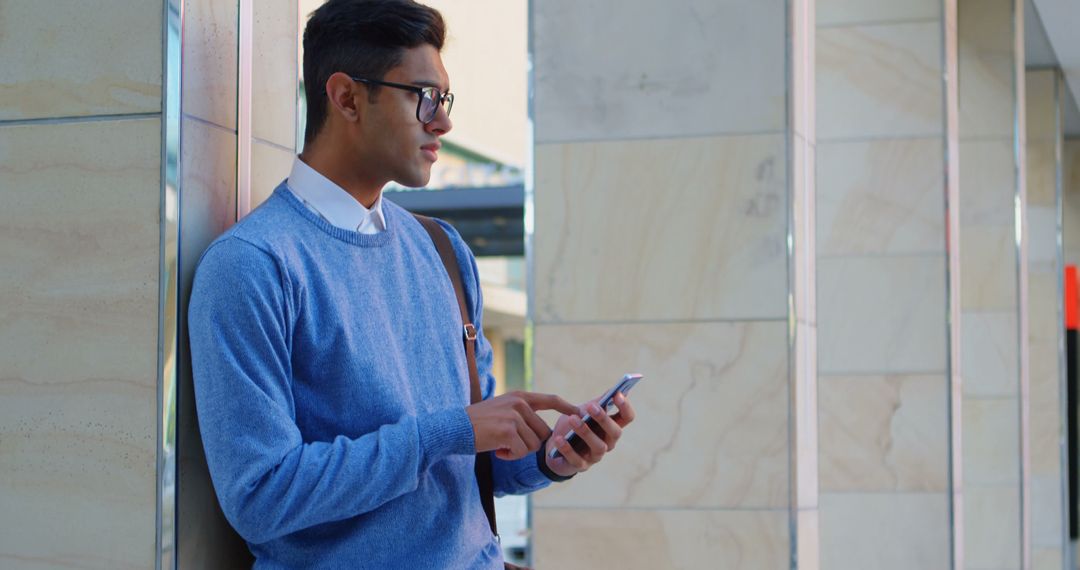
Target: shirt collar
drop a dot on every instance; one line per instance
(332, 202)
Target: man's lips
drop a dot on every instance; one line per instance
(431, 151)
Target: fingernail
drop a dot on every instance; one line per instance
(576, 421)
(594, 408)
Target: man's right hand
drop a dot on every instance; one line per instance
(509, 424)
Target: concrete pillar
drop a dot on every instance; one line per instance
(673, 223)
(885, 116)
(1049, 498)
(993, 282)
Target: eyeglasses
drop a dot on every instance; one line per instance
(430, 98)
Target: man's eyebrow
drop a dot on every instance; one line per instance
(428, 83)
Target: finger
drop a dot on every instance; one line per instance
(518, 448)
(532, 420)
(612, 430)
(539, 401)
(626, 413)
(597, 447)
(528, 437)
(569, 455)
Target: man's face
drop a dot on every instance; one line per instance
(397, 146)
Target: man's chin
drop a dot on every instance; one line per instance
(417, 181)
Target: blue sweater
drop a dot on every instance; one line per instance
(331, 387)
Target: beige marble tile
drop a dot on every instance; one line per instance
(208, 183)
(884, 531)
(661, 229)
(79, 236)
(1045, 332)
(274, 81)
(991, 526)
(647, 540)
(1047, 559)
(987, 182)
(884, 433)
(989, 350)
(210, 61)
(694, 67)
(881, 314)
(879, 81)
(1041, 103)
(68, 58)
(1041, 173)
(712, 413)
(270, 165)
(1042, 222)
(986, 68)
(988, 268)
(840, 12)
(880, 197)
(1071, 200)
(991, 441)
(1048, 510)
(805, 417)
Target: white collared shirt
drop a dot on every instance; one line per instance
(332, 203)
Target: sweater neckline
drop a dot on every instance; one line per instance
(355, 238)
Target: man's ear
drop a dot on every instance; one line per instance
(342, 92)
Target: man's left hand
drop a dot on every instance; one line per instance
(571, 461)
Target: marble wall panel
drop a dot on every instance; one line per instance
(990, 363)
(1042, 223)
(879, 81)
(986, 68)
(991, 526)
(1047, 559)
(703, 81)
(991, 447)
(60, 58)
(883, 433)
(1070, 162)
(1041, 172)
(988, 264)
(675, 229)
(987, 183)
(210, 60)
(881, 315)
(78, 338)
(885, 531)
(1041, 105)
(675, 539)
(270, 165)
(712, 413)
(880, 197)
(1046, 378)
(274, 72)
(1047, 517)
(847, 12)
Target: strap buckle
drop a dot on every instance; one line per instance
(470, 331)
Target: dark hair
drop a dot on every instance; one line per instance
(365, 38)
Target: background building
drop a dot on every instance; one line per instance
(830, 232)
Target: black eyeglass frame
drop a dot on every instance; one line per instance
(446, 99)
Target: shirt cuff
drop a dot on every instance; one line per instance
(541, 463)
(444, 433)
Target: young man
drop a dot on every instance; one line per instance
(332, 385)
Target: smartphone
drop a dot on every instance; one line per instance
(606, 403)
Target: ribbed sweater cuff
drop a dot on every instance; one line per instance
(446, 432)
(543, 471)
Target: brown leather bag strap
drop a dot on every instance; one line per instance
(453, 270)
